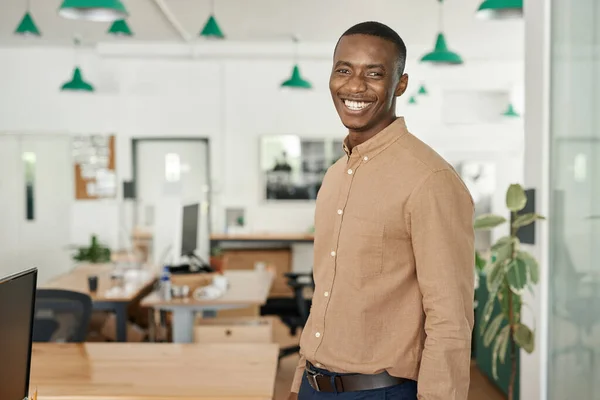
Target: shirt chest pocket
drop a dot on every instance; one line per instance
(360, 251)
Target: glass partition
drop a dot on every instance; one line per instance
(574, 220)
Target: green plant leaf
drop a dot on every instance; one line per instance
(487, 312)
(516, 275)
(494, 277)
(515, 198)
(504, 333)
(532, 265)
(502, 249)
(492, 330)
(526, 219)
(503, 241)
(480, 262)
(524, 338)
(498, 345)
(488, 221)
(503, 296)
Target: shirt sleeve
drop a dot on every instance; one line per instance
(441, 226)
(298, 375)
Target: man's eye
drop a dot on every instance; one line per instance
(374, 74)
(342, 71)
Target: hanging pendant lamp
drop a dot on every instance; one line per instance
(500, 9)
(510, 111)
(296, 81)
(441, 54)
(77, 83)
(211, 29)
(93, 10)
(120, 28)
(412, 100)
(422, 90)
(27, 26)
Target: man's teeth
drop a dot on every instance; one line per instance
(356, 105)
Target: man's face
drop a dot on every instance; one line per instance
(364, 81)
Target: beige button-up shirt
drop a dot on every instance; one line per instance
(393, 267)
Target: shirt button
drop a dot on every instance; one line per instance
(318, 334)
(333, 254)
(366, 158)
(350, 172)
(340, 212)
(326, 294)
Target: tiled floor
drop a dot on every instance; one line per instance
(481, 388)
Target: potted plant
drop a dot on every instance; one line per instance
(216, 259)
(95, 253)
(510, 271)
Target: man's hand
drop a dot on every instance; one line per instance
(293, 396)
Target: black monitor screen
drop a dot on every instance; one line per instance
(17, 302)
(189, 231)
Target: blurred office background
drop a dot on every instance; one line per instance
(107, 131)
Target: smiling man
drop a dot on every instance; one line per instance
(392, 311)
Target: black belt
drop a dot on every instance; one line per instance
(349, 383)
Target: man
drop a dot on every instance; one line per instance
(392, 311)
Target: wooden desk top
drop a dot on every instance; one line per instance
(134, 282)
(246, 288)
(263, 237)
(153, 371)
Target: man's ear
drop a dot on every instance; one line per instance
(402, 85)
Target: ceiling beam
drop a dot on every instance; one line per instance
(172, 20)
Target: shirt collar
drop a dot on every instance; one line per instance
(379, 142)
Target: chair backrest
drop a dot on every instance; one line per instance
(61, 316)
(298, 285)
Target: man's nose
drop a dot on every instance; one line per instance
(356, 84)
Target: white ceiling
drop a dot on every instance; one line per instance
(311, 20)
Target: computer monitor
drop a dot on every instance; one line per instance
(17, 305)
(189, 229)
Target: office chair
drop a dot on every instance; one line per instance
(61, 316)
(293, 312)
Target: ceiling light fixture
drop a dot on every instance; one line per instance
(441, 54)
(93, 10)
(27, 26)
(120, 28)
(501, 9)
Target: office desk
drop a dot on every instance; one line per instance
(246, 288)
(111, 294)
(153, 371)
(223, 239)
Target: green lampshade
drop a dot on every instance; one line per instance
(93, 10)
(77, 83)
(120, 28)
(441, 54)
(412, 100)
(27, 26)
(296, 81)
(501, 9)
(211, 29)
(422, 90)
(510, 112)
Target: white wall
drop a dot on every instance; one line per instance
(229, 93)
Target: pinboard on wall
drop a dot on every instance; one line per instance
(94, 163)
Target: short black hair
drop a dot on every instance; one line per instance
(374, 28)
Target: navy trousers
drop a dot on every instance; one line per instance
(404, 391)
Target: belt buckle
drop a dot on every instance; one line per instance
(312, 379)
